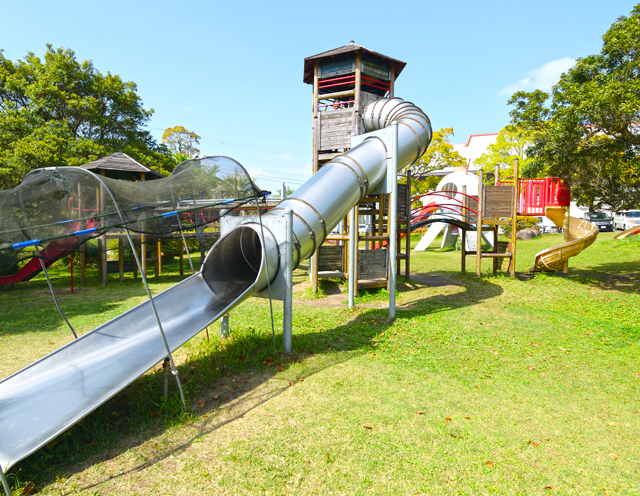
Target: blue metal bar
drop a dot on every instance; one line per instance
(24, 244)
(85, 231)
(170, 214)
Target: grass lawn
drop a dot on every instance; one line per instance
(492, 386)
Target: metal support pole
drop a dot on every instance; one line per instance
(224, 326)
(392, 171)
(287, 310)
(353, 233)
(5, 483)
(283, 191)
(53, 293)
(143, 276)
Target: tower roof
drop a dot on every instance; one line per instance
(309, 62)
(120, 163)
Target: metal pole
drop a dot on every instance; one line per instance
(53, 293)
(392, 171)
(287, 325)
(283, 191)
(5, 483)
(353, 228)
(224, 326)
(42, 264)
(143, 276)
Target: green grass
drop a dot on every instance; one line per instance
(492, 386)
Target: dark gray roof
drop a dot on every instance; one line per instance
(309, 62)
(119, 162)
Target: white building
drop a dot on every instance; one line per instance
(474, 148)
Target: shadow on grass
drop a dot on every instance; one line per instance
(615, 276)
(215, 386)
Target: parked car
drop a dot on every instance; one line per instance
(546, 225)
(600, 219)
(626, 219)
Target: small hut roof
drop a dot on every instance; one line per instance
(310, 62)
(120, 162)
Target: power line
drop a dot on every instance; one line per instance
(251, 146)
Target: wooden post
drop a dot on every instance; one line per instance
(566, 224)
(479, 225)
(156, 267)
(83, 266)
(516, 174)
(159, 254)
(407, 265)
(143, 253)
(181, 252)
(463, 238)
(495, 250)
(121, 259)
(103, 251)
(357, 95)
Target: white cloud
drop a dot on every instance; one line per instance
(541, 79)
(186, 108)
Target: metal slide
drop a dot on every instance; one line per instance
(44, 399)
(582, 234)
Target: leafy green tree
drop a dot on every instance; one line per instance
(237, 184)
(588, 130)
(511, 142)
(278, 193)
(181, 142)
(60, 111)
(439, 154)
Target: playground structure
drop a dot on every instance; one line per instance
(632, 231)
(345, 80)
(42, 400)
(459, 201)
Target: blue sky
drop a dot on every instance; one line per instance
(232, 71)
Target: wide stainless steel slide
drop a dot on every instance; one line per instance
(44, 399)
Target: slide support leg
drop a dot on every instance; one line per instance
(393, 220)
(5, 483)
(287, 324)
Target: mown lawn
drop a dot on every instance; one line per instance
(492, 386)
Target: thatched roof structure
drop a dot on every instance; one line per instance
(121, 166)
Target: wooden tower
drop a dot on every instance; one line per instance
(345, 80)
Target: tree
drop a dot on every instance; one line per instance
(511, 142)
(588, 130)
(439, 154)
(237, 185)
(61, 112)
(278, 193)
(181, 142)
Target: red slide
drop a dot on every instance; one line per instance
(53, 252)
(421, 214)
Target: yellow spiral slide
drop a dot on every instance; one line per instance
(580, 235)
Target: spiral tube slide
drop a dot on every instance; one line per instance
(582, 234)
(44, 399)
(326, 198)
